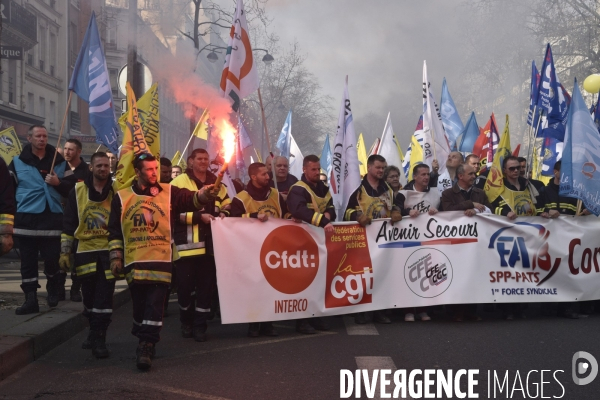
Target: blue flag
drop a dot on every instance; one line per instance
(580, 171)
(552, 99)
(285, 138)
(91, 83)
(326, 158)
(551, 153)
(469, 135)
(450, 118)
(534, 91)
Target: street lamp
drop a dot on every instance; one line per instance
(213, 57)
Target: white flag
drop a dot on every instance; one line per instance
(296, 158)
(345, 174)
(239, 78)
(436, 144)
(389, 149)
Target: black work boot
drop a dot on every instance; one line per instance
(99, 349)
(87, 343)
(53, 295)
(30, 305)
(254, 329)
(302, 326)
(59, 282)
(145, 352)
(360, 318)
(267, 329)
(200, 333)
(75, 293)
(186, 331)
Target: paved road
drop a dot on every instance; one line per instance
(293, 366)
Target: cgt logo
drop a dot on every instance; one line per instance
(428, 272)
(289, 259)
(582, 361)
(514, 251)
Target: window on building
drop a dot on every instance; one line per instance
(12, 81)
(114, 84)
(73, 43)
(42, 46)
(30, 108)
(42, 109)
(52, 115)
(53, 49)
(111, 33)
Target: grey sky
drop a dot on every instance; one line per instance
(381, 45)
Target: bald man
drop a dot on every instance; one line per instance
(285, 180)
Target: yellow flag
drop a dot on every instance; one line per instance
(133, 143)
(149, 116)
(399, 149)
(178, 160)
(494, 184)
(10, 145)
(362, 155)
(416, 156)
(201, 129)
(536, 170)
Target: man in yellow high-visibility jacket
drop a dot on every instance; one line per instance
(140, 239)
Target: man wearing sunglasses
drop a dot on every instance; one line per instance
(140, 243)
(519, 197)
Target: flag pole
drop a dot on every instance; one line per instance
(185, 148)
(262, 111)
(529, 130)
(62, 127)
(579, 206)
(534, 135)
(432, 132)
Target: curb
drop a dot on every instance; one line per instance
(22, 348)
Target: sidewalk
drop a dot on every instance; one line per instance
(25, 338)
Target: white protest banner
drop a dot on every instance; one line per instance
(421, 201)
(281, 270)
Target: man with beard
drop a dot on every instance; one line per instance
(140, 239)
(165, 170)
(309, 200)
(246, 204)
(374, 199)
(196, 271)
(79, 168)
(85, 230)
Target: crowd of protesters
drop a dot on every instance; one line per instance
(157, 233)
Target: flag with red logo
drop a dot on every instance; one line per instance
(239, 78)
(487, 143)
(494, 184)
